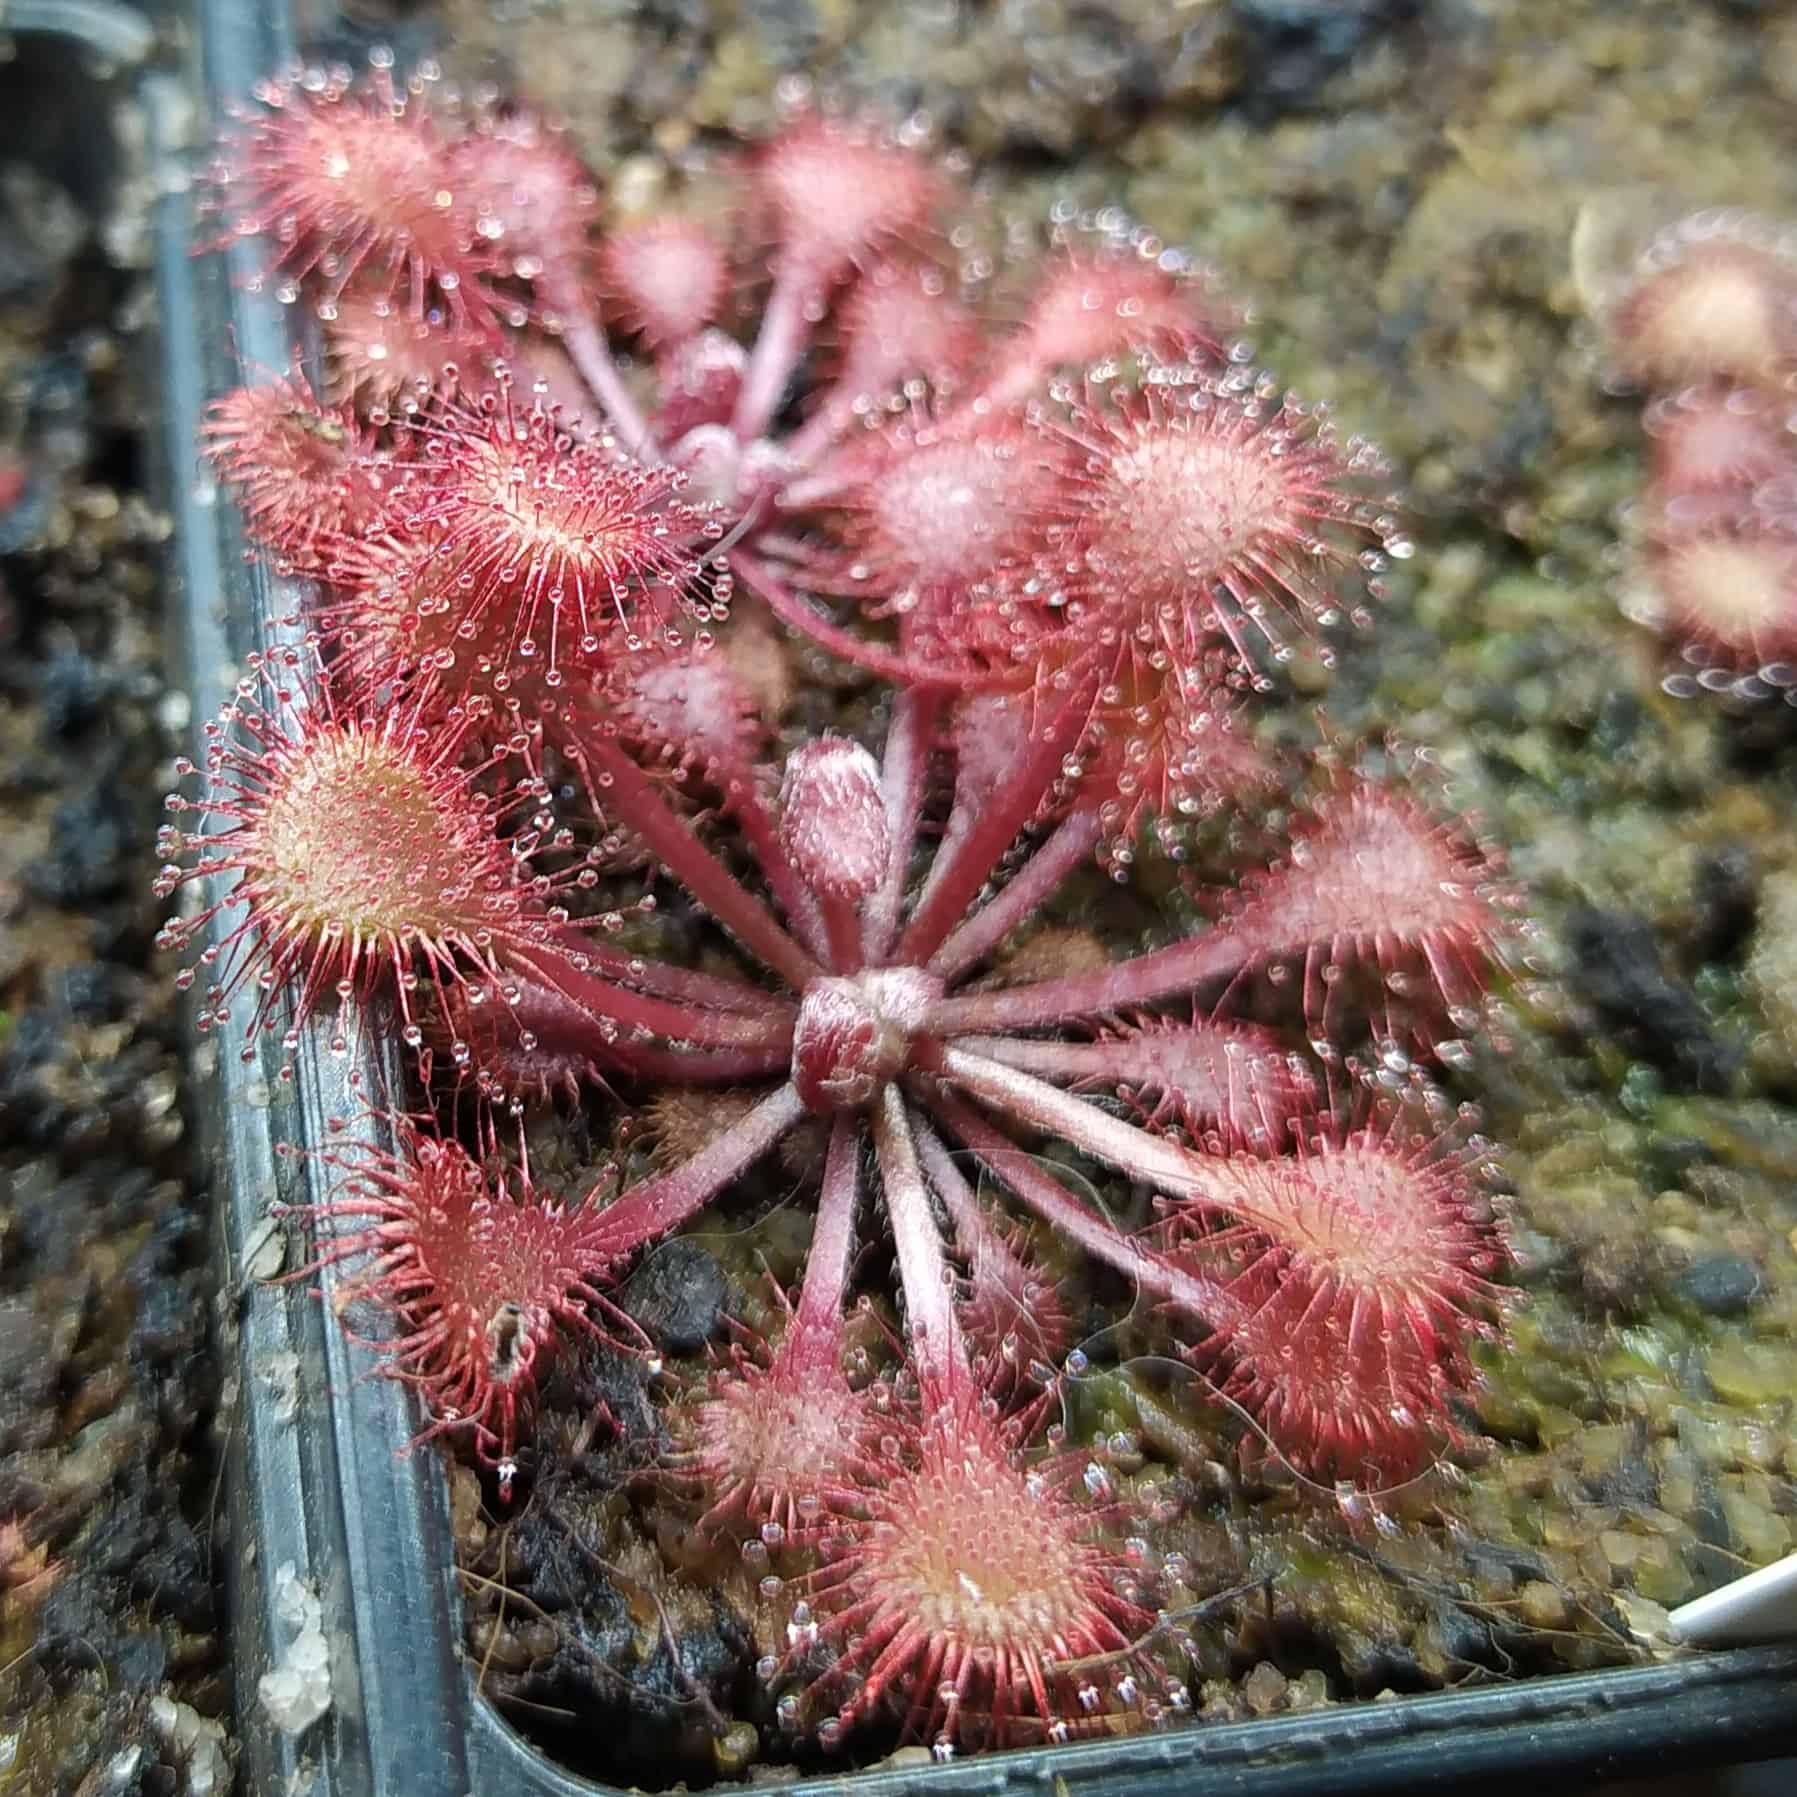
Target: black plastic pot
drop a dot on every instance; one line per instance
(318, 1482)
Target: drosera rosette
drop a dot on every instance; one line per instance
(1079, 543)
(871, 1020)
(872, 1015)
(1698, 310)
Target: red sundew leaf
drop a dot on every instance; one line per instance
(1169, 739)
(305, 474)
(380, 352)
(925, 510)
(664, 279)
(1374, 880)
(689, 711)
(1713, 296)
(899, 323)
(513, 557)
(347, 180)
(534, 202)
(964, 1593)
(838, 191)
(1716, 439)
(1365, 1259)
(366, 855)
(1721, 573)
(778, 1438)
(1203, 510)
(477, 1273)
(1201, 1074)
(1098, 301)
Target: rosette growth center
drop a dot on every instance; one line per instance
(853, 1035)
(854, 1030)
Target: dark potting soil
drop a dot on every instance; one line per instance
(114, 1672)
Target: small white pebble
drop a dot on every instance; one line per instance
(197, 1745)
(298, 1691)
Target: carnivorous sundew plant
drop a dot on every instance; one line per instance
(556, 773)
(1698, 313)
